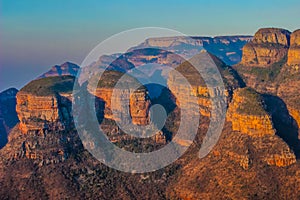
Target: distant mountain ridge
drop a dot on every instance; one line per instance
(66, 68)
(227, 48)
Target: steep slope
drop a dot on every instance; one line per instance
(289, 80)
(249, 161)
(199, 87)
(269, 46)
(263, 58)
(293, 54)
(45, 104)
(275, 73)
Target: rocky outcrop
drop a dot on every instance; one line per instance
(269, 45)
(139, 104)
(199, 88)
(45, 104)
(247, 115)
(40, 112)
(129, 104)
(294, 50)
(139, 107)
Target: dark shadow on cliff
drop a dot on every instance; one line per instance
(285, 125)
(237, 76)
(167, 100)
(8, 114)
(99, 107)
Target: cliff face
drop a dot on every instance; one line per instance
(198, 86)
(45, 104)
(138, 100)
(245, 154)
(139, 104)
(269, 46)
(264, 58)
(39, 112)
(294, 50)
(247, 115)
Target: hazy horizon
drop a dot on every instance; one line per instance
(37, 35)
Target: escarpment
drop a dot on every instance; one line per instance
(189, 82)
(227, 48)
(245, 155)
(247, 114)
(263, 58)
(254, 156)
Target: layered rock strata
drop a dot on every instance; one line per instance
(269, 46)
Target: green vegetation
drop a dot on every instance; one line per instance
(252, 104)
(110, 78)
(264, 74)
(50, 85)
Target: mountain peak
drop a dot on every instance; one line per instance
(66, 68)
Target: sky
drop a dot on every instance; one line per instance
(35, 35)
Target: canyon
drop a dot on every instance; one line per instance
(257, 152)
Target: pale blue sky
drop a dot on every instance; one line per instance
(35, 35)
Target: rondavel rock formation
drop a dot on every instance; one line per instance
(248, 116)
(45, 104)
(270, 64)
(248, 154)
(268, 46)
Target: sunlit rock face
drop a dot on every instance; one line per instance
(294, 50)
(45, 103)
(247, 115)
(268, 46)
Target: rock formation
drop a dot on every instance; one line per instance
(45, 103)
(264, 59)
(199, 88)
(39, 112)
(268, 46)
(247, 115)
(253, 157)
(244, 156)
(135, 103)
(294, 50)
